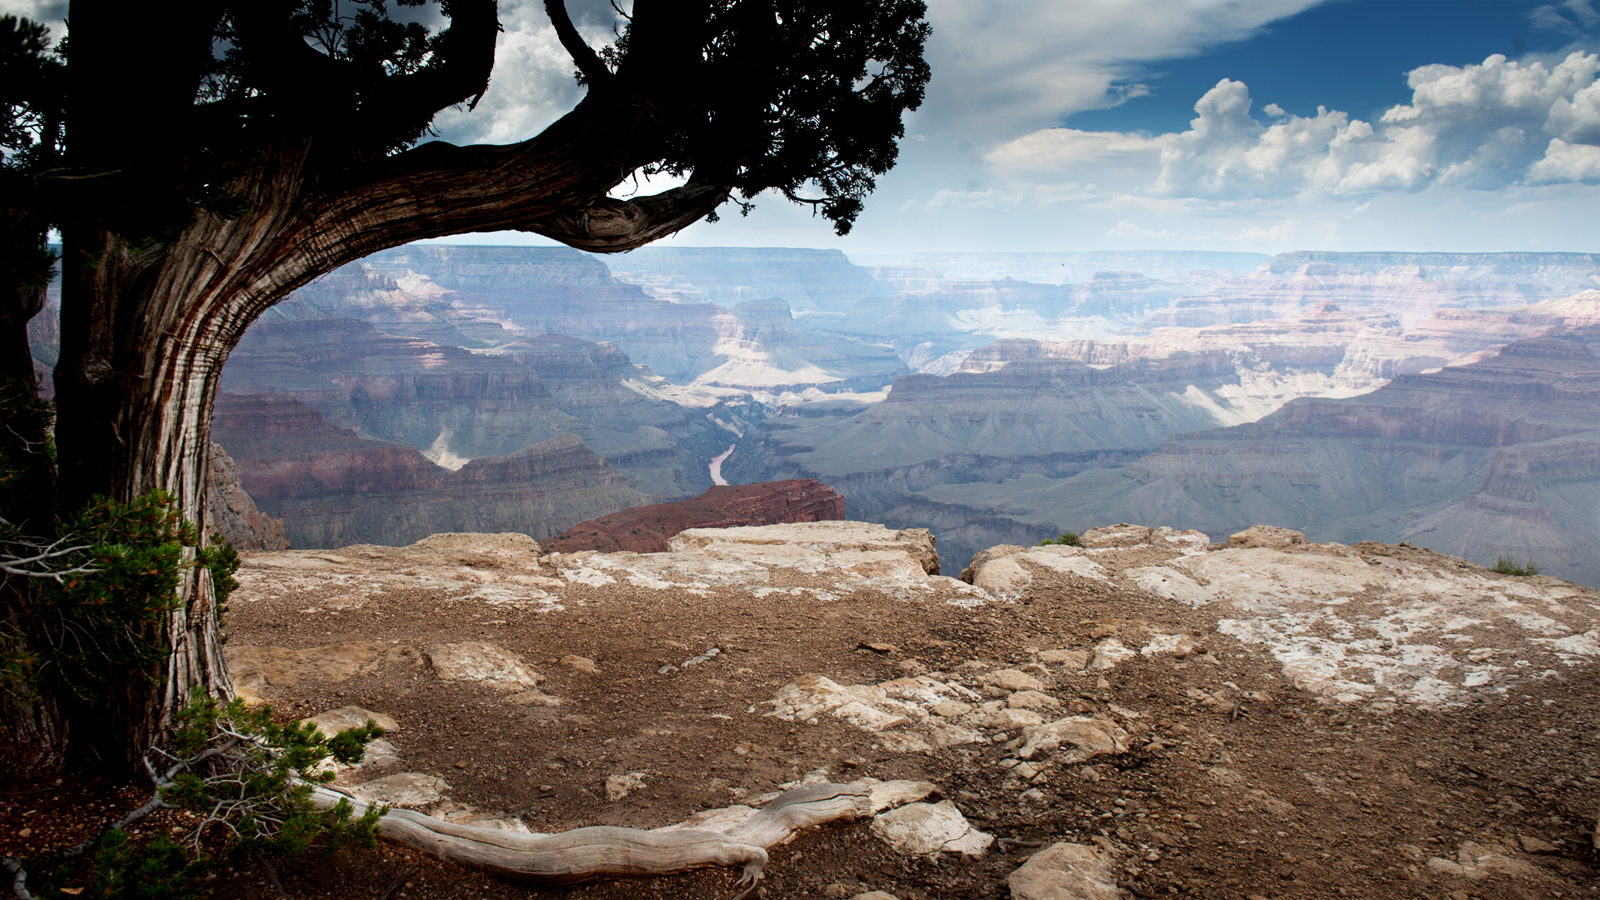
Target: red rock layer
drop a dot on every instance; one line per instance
(645, 529)
(333, 488)
(231, 512)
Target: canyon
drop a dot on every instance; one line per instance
(332, 487)
(991, 397)
(1499, 457)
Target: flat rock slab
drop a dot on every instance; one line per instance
(490, 665)
(334, 721)
(412, 790)
(1065, 871)
(1369, 623)
(920, 829)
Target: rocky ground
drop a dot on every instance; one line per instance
(1147, 715)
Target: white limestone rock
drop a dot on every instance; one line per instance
(412, 790)
(1109, 652)
(1077, 738)
(920, 829)
(334, 721)
(1065, 871)
(489, 665)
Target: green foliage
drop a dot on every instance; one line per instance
(159, 870)
(1068, 538)
(32, 93)
(104, 590)
(251, 778)
(793, 94)
(1507, 565)
(248, 780)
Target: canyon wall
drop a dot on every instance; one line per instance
(231, 512)
(457, 405)
(1054, 417)
(332, 487)
(1409, 286)
(1497, 457)
(804, 278)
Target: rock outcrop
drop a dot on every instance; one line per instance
(231, 512)
(1145, 713)
(646, 529)
(332, 487)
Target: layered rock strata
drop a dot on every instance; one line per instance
(646, 529)
(456, 405)
(1500, 457)
(1408, 285)
(1054, 417)
(332, 487)
(804, 278)
(232, 513)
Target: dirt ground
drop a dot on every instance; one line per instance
(1277, 794)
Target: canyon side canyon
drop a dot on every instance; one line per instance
(1442, 399)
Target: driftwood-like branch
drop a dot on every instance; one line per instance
(603, 851)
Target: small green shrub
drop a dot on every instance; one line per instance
(1067, 538)
(102, 590)
(1507, 565)
(249, 782)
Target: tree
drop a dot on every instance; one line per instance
(218, 154)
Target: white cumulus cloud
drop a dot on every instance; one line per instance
(1486, 126)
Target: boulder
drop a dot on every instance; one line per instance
(334, 721)
(920, 829)
(489, 665)
(1076, 737)
(1065, 871)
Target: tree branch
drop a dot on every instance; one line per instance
(465, 52)
(612, 226)
(594, 70)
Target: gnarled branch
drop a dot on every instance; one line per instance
(597, 852)
(595, 73)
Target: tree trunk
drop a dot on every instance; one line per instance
(134, 392)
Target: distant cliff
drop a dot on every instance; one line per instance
(645, 529)
(805, 278)
(1409, 286)
(1498, 457)
(231, 512)
(457, 405)
(332, 488)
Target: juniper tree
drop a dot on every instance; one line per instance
(203, 158)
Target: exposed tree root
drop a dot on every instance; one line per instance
(604, 851)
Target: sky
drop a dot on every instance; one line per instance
(1256, 125)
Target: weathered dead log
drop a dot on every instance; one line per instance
(603, 851)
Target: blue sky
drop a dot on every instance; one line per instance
(1263, 125)
(1339, 125)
